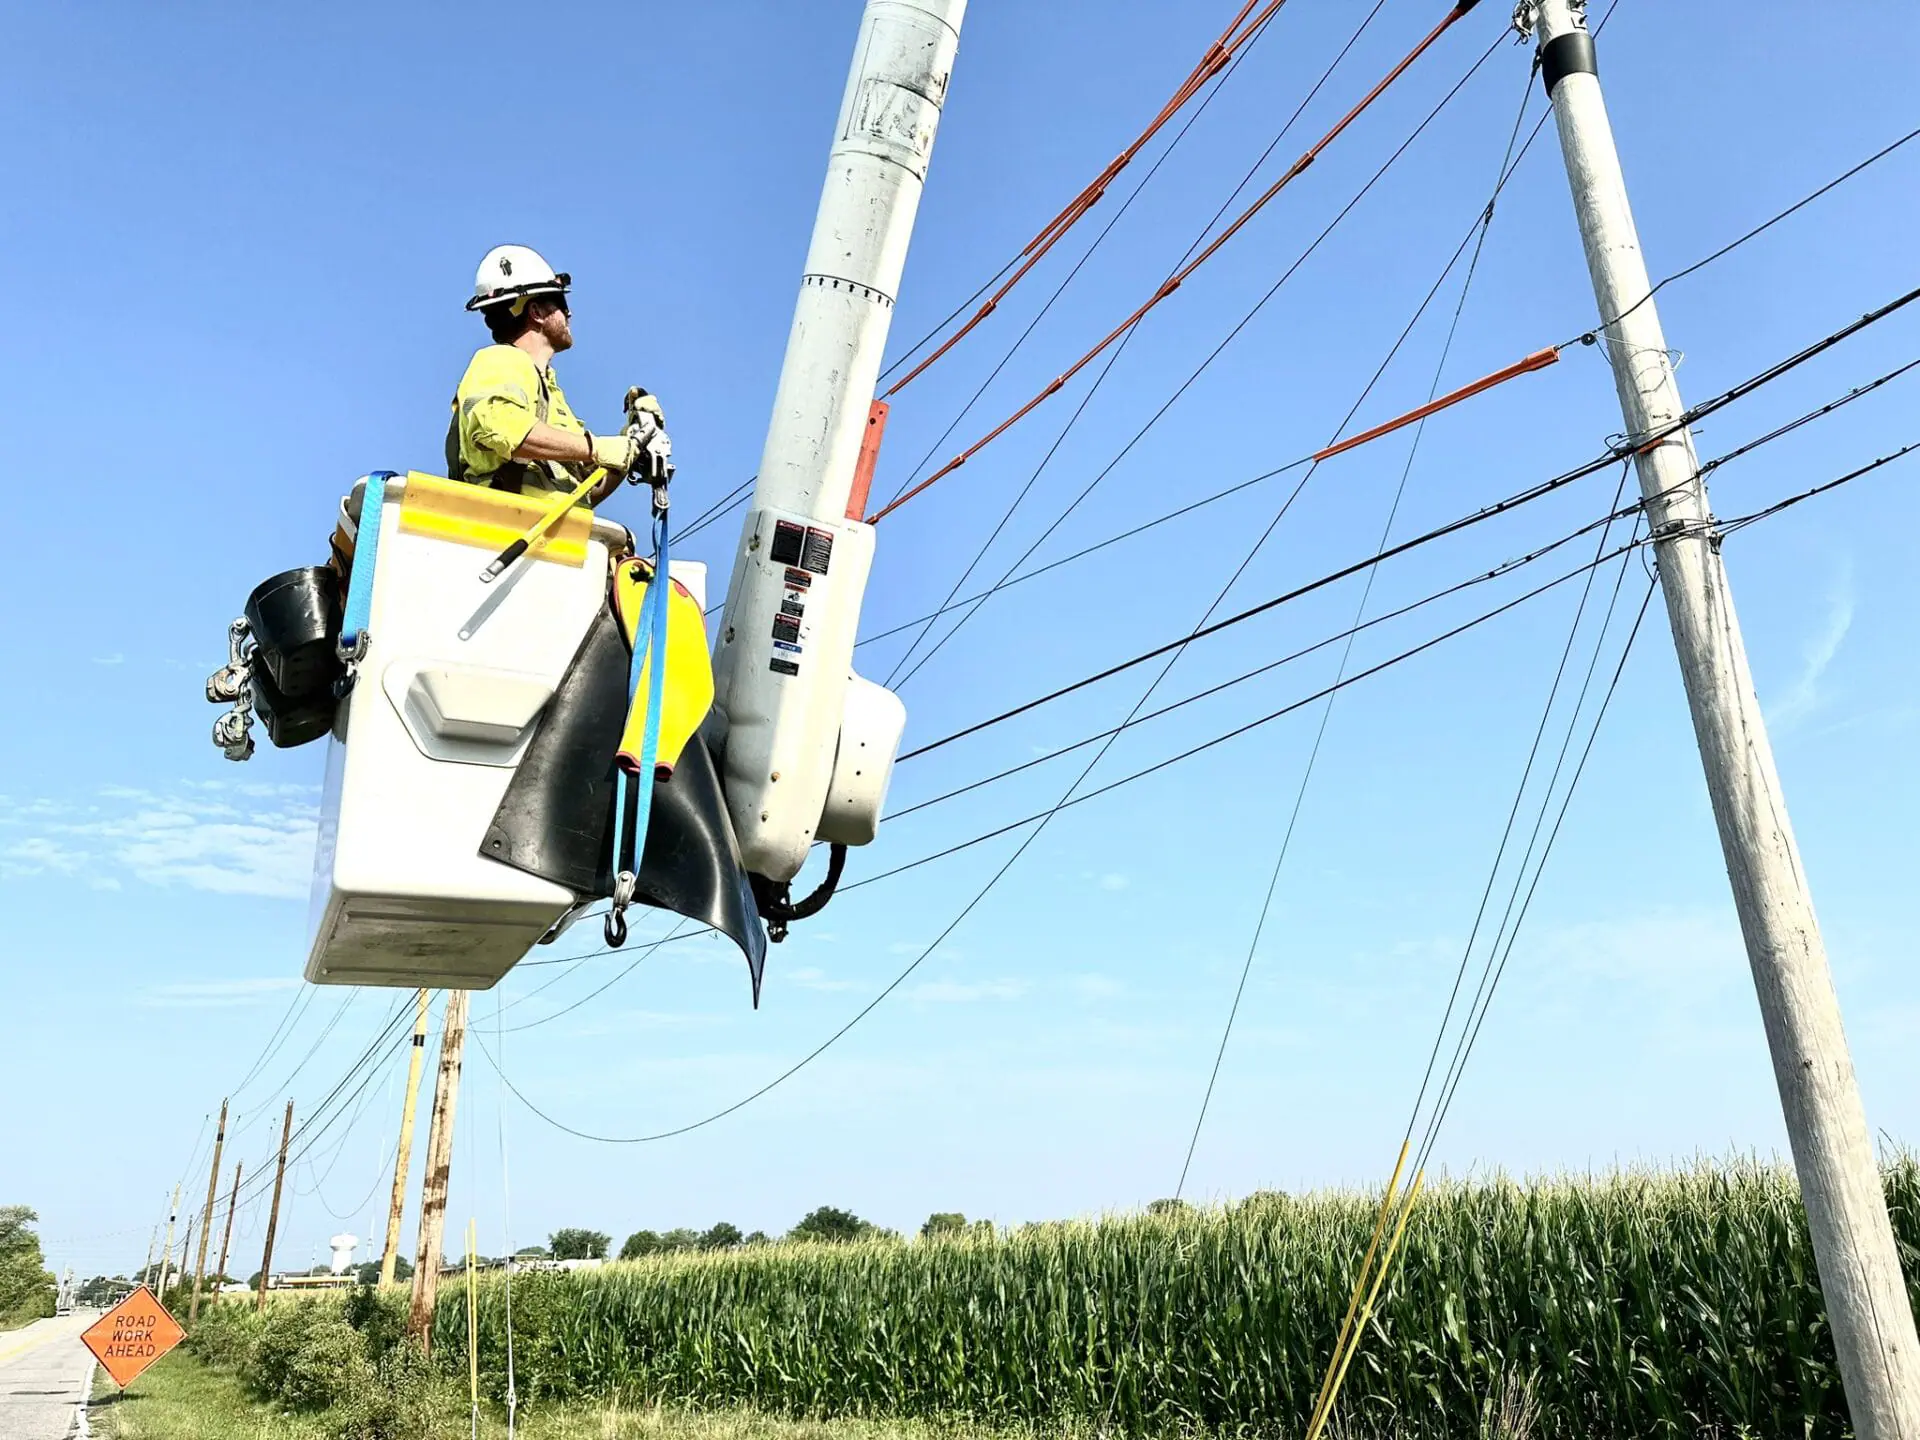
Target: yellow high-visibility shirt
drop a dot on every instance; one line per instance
(495, 406)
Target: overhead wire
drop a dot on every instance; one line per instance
(1106, 370)
(1186, 271)
(1080, 264)
(1689, 417)
(1040, 819)
(1419, 418)
(1011, 579)
(1217, 57)
(1220, 348)
(1020, 850)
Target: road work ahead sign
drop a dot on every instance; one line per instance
(132, 1335)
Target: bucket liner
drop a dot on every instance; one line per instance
(556, 819)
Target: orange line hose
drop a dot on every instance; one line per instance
(1211, 63)
(1538, 360)
(1179, 277)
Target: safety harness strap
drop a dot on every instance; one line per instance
(366, 554)
(635, 791)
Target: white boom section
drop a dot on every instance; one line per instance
(1853, 1241)
(801, 760)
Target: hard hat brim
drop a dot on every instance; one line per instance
(558, 285)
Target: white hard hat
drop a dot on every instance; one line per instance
(513, 272)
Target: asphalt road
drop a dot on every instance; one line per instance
(45, 1373)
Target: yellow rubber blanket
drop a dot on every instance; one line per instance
(687, 690)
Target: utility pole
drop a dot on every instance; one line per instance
(273, 1214)
(206, 1215)
(226, 1235)
(1853, 1245)
(403, 1157)
(433, 1187)
(146, 1266)
(166, 1255)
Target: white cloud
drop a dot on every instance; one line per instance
(1804, 697)
(1092, 986)
(114, 659)
(225, 837)
(214, 994)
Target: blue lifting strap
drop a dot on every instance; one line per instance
(366, 554)
(649, 654)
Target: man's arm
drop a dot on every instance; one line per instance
(547, 442)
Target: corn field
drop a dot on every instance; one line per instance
(1636, 1305)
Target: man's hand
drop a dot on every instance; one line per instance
(640, 403)
(616, 454)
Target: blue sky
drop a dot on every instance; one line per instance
(247, 237)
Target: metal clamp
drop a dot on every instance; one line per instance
(232, 684)
(625, 885)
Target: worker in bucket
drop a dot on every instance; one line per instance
(512, 428)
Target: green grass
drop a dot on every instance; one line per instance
(181, 1398)
(178, 1398)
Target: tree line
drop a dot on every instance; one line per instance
(827, 1223)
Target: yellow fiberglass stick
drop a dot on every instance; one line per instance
(540, 527)
(1366, 1311)
(1359, 1286)
(473, 1326)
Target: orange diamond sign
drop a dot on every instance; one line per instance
(132, 1335)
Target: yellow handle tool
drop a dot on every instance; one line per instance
(540, 527)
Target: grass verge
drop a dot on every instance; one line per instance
(181, 1398)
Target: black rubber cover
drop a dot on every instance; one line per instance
(296, 621)
(291, 722)
(557, 816)
(1568, 54)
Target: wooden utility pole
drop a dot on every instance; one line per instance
(404, 1153)
(206, 1214)
(226, 1235)
(1853, 1244)
(146, 1266)
(433, 1188)
(273, 1214)
(166, 1254)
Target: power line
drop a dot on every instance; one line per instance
(1007, 577)
(1100, 380)
(1504, 568)
(1689, 417)
(1223, 50)
(1008, 580)
(1346, 655)
(1078, 265)
(1186, 271)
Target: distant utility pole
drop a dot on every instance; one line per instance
(206, 1214)
(226, 1235)
(1853, 1245)
(146, 1266)
(391, 1254)
(433, 1187)
(166, 1255)
(273, 1214)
